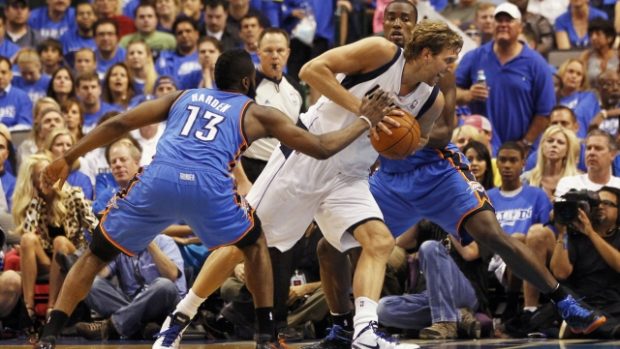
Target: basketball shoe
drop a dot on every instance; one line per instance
(579, 318)
(370, 338)
(169, 337)
(337, 338)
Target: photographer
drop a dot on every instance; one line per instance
(586, 257)
(601, 149)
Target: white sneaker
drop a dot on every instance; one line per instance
(169, 337)
(370, 338)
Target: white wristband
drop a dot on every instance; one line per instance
(365, 118)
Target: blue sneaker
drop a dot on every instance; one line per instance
(337, 338)
(169, 337)
(579, 318)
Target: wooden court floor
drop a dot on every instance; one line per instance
(456, 344)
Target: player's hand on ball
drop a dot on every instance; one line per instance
(387, 122)
(375, 104)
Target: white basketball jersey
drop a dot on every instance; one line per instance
(326, 116)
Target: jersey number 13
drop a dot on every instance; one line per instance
(209, 131)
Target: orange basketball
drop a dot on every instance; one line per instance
(403, 140)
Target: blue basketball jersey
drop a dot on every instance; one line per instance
(204, 129)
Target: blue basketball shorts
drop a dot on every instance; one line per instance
(442, 191)
(166, 194)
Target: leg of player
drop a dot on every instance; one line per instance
(377, 244)
(75, 288)
(485, 229)
(335, 283)
(218, 266)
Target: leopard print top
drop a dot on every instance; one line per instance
(79, 217)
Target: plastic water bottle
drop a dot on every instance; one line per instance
(481, 78)
(298, 278)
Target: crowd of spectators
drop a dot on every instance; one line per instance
(538, 109)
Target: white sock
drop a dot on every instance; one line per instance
(189, 304)
(530, 309)
(365, 312)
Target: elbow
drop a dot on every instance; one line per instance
(322, 155)
(560, 273)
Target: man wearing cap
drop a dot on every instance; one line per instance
(516, 93)
(18, 31)
(482, 124)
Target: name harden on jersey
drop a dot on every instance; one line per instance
(213, 102)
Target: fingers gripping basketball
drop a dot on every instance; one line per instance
(403, 140)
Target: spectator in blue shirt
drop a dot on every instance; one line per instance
(571, 28)
(85, 61)
(108, 52)
(183, 62)
(88, 90)
(576, 95)
(150, 285)
(518, 207)
(53, 20)
(7, 48)
(140, 62)
(30, 78)
(117, 87)
(167, 11)
(15, 106)
(17, 29)
(249, 32)
(517, 94)
(81, 35)
(50, 51)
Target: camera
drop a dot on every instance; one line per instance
(566, 210)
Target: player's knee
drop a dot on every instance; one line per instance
(102, 248)
(375, 238)
(252, 236)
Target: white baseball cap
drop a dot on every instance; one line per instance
(510, 9)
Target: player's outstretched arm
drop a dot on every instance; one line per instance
(359, 57)
(266, 121)
(144, 114)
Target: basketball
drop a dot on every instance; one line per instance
(403, 140)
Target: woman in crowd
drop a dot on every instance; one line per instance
(57, 143)
(557, 157)
(481, 164)
(45, 121)
(571, 28)
(139, 60)
(209, 49)
(61, 85)
(117, 86)
(49, 222)
(576, 94)
(74, 117)
(601, 56)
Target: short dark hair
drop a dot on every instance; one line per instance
(49, 43)
(511, 145)
(87, 76)
(144, 4)
(103, 21)
(212, 40)
(231, 67)
(604, 26)
(564, 108)
(183, 19)
(408, 2)
(217, 3)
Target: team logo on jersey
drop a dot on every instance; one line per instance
(475, 186)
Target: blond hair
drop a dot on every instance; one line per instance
(25, 192)
(434, 35)
(28, 55)
(585, 85)
(149, 66)
(569, 163)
